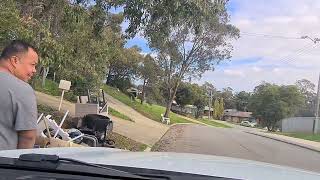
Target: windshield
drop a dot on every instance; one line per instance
(228, 78)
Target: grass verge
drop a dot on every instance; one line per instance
(214, 123)
(151, 111)
(56, 115)
(116, 113)
(305, 136)
(123, 142)
(52, 88)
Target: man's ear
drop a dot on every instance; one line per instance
(14, 60)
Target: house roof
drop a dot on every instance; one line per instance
(206, 108)
(190, 106)
(132, 89)
(238, 114)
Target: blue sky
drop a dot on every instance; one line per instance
(266, 50)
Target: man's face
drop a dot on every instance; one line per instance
(25, 65)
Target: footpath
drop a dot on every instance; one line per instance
(311, 145)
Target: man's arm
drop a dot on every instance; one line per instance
(26, 139)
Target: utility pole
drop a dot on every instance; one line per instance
(210, 103)
(316, 119)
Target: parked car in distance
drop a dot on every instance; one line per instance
(248, 124)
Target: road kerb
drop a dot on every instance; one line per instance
(286, 141)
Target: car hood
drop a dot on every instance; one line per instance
(178, 162)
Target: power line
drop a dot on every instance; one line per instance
(288, 55)
(291, 56)
(269, 36)
(296, 52)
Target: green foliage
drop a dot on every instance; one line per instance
(184, 95)
(228, 97)
(242, 100)
(146, 14)
(151, 111)
(148, 70)
(122, 83)
(52, 88)
(149, 73)
(191, 39)
(273, 103)
(75, 40)
(216, 109)
(116, 113)
(11, 24)
(307, 88)
(221, 108)
(124, 67)
(155, 94)
(199, 99)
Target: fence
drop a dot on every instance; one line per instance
(297, 124)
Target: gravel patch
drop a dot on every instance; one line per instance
(168, 139)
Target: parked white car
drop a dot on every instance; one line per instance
(248, 124)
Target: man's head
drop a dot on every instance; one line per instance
(20, 59)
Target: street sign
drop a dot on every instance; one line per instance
(64, 85)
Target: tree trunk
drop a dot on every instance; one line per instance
(108, 77)
(54, 76)
(171, 97)
(143, 91)
(44, 76)
(168, 107)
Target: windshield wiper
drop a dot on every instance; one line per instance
(54, 163)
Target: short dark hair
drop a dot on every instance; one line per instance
(15, 47)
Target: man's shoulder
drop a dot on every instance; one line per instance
(16, 85)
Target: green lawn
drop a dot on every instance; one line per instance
(151, 111)
(310, 137)
(116, 113)
(214, 123)
(52, 88)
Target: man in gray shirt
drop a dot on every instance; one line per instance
(18, 108)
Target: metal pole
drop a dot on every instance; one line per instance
(210, 102)
(61, 100)
(316, 120)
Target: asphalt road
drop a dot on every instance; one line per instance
(236, 143)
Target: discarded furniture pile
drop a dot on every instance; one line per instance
(88, 129)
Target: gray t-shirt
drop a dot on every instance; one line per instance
(18, 109)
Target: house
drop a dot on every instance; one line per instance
(190, 110)
(186, 110)
(232, 115)
(134, 91)
(206, 111)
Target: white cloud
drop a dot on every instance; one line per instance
(269, 29)
(277, 70)
(233, 73)
(279, 19)
(256, 69)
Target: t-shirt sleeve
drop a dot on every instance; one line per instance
(26, 111)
